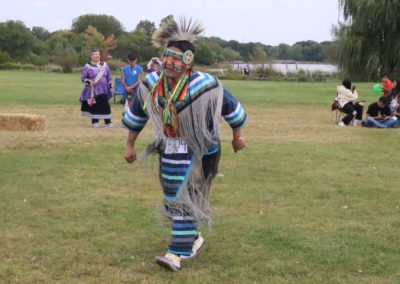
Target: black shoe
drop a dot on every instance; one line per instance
(122, 101)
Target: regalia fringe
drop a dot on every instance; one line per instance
(194, 196)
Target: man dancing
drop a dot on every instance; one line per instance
(185, 107)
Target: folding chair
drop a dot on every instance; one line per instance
(118, 88)
(339, 114)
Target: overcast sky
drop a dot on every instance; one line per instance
(267, 21)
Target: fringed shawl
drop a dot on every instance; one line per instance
(198, 114)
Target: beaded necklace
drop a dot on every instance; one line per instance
(178, 92)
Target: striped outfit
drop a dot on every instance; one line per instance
(186, 172)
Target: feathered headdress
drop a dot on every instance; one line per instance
(170, 30)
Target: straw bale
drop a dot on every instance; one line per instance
(22, 122)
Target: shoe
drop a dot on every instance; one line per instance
(197, 247)
(356, 122)
(95, 125)
(110, 125)
(341, 123)
(169, 261)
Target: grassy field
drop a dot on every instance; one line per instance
(306, 202)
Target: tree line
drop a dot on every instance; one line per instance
(368, 36)
(70, 48)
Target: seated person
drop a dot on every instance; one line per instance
(349, 103)
(379, 115)
(387, 85)
(392, 96)
(396, 112)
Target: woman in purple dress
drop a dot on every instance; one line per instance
(96, 76)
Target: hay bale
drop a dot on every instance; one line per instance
(22, 122)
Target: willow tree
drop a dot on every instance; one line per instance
(369, 38)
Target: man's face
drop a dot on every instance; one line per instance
(173, 65)
(132, 62)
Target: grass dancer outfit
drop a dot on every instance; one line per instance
(185, 111)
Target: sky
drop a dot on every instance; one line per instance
(270, 22)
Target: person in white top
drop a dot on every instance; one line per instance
(349, 103)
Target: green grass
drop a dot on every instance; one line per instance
(306, 202)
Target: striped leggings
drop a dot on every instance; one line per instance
(184, 232)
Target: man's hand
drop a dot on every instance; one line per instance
(130, 154)
(238, 144)
(129, 90)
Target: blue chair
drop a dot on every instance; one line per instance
(118, 88)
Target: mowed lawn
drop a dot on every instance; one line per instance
(305, 202)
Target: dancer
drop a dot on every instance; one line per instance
(185, 107)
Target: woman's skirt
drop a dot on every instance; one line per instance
(99, 110)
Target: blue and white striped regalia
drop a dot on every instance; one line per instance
(188, 162)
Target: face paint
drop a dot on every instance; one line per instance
(186, 57)
(173, 67)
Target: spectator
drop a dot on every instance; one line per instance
(131, 77)
(396, 112)
(349, 103)
(387, 85)
(379, 115)
(154, 65)
(246, 71)
(392, 96)
(97, 92)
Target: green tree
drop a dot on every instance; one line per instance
(311, 50)
(330, 49)
(296, 53)
(368, 38)
(40, 33)
(258, 53)
(230, 54)
(66, 57)
(106, 25)
(5, 57)
(147, 27)
(65, 38)
(284, 51)
(16, 39)
(138, 42)
(205, 55)
(95, 39)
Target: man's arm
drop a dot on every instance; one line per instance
(126, 87)
(238, 140)
(139, 80)
(123, 79)
(134, 120)
(236, 117)
(130, 151)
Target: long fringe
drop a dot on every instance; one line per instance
(194, 196)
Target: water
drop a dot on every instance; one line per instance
(285, 68)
